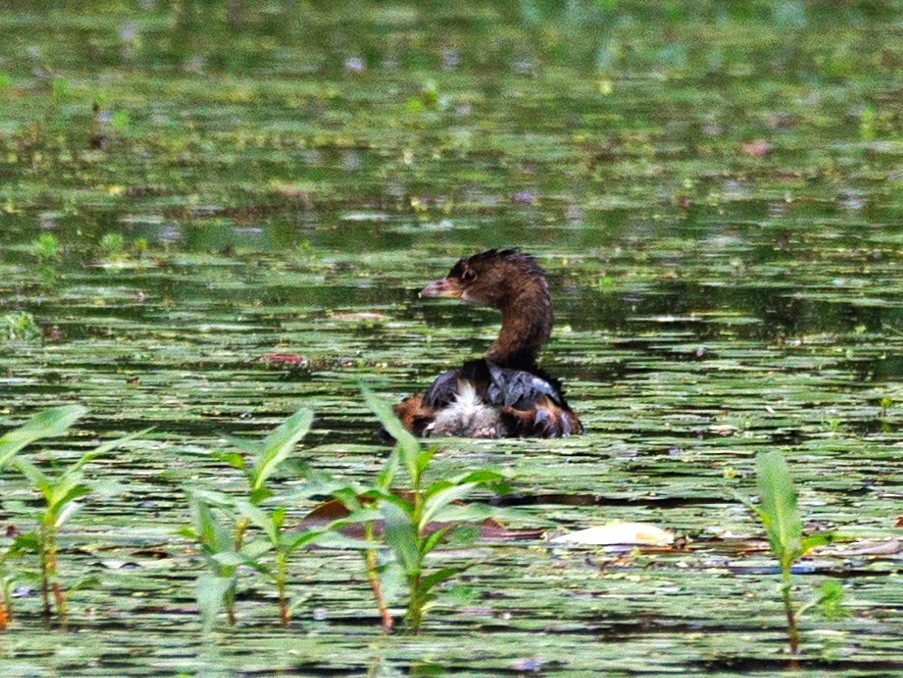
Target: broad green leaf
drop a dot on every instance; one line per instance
(430, 581)
(252, 550)
(230, 558)
(348, 497)
(233, 459)
(357, 517)
(51, 422)
(314, 488)
(211, 533)
(210, 592)
(483, 477)
(401, 534)
(292, 541)
(69, 511)
(337, 540)
(432, 540)
(815, 540)
(406, 443)
(103, 448)
(443, 498)
(259, 518)
(67, 487)
(424, 459)
(464, 513)
(36, 477)
(778, 506)
(387, 474)
(279, 444)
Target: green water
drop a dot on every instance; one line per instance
(714, 189)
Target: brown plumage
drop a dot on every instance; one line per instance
(503, 394)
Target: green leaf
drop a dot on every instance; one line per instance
(229, 560)
(433, 540)
(815, 540)
(70, 486)
(233, 459)
(293, 540)
(401, 534)
(70, 510)
(433, 579)
(424, 459)
(337, 540)
(51, 422)
(471, 513)
(830, 602)
(211, 592)
(252, 550)
(279, 444)
(26, 542)
(483, 477)
(260, 518)
(443, 498)
(348, 497)
(208, 530)
(36, 477)
(778, 506)
(406, 443)
(103, 448)
(387, 474)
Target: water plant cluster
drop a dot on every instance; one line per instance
(395, 522)
(401, 524)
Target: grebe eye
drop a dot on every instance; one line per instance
(469, 275)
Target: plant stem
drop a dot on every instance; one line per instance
(415, 606)
(48, 569)
(229, 603)
(373, 577)
(240, 528)
(281, 569)
(793, 635)
(5, 611)
(60, 597)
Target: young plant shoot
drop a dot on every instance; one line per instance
(779, 513)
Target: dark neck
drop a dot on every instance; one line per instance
(526, 326)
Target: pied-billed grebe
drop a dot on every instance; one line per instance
(505, 393)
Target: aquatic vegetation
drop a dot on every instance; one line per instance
(220, 522)
(714, 191)
(112, 245)
(779, 514)
(19, 326)
(45, 247)
(417, 519)
(60, 493)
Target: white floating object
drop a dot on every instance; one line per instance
(644, 534)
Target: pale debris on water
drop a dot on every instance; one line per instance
(644, 534)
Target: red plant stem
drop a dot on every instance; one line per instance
(5, 613)
(373, 577)
(793, 634)
(60, 597)
(282, 567)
